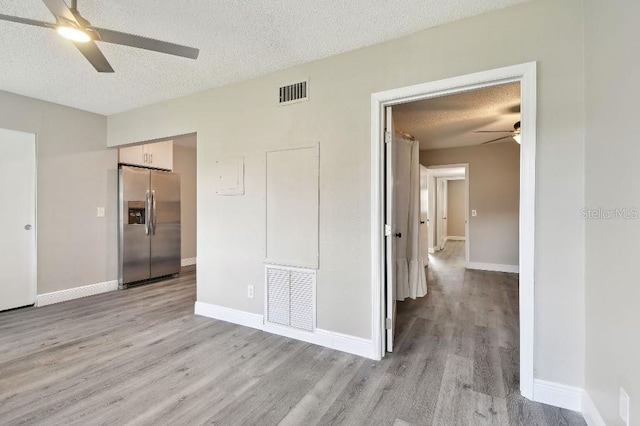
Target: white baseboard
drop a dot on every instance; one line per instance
(329, 339)
(75, 293)
(188, 261)
(350, 344)
(454, 238)
(431, 250)
(229, 315)
(496, 267)
(590, 412)
(558, 395)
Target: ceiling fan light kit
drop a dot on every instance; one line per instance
(71, 25)
(73, 34)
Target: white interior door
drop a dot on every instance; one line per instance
(441, 208)
(424, 215)
(440, 214)
(390, 230)
(445, 212)
(432, 219)
(17, 219)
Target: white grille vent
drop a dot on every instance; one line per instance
(293, 93)
(278, 295)
(291, 297)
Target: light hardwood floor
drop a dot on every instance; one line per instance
(140, 356)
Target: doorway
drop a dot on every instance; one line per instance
(438, 180)
(18, 219)
(525, 74)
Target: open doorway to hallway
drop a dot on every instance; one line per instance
(470, 313)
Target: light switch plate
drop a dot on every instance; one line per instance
(474, 213)
(100, 211)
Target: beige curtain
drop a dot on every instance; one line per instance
(411, 280)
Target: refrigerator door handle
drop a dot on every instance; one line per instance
(155, 215)
(147, 215)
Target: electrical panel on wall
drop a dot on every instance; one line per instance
(230, 176)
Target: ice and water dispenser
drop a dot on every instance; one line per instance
(136, 212)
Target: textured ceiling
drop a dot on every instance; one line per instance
(238, 40)
(449, 121)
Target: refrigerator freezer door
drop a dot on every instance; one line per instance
(134, 212)
(165, 224)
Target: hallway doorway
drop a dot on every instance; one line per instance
(525, 76)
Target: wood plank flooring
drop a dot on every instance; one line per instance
(140, 357)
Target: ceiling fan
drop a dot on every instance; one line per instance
(515, 134)
(70, 24)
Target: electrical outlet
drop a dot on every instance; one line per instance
(250, 292)
(100, 211)
(624, 406)
(474, 213)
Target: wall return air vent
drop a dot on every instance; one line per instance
(291, 297)
(292, 93)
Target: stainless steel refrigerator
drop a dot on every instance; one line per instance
(149, 216)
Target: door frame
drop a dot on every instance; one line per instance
(432, 170)
(526, 75)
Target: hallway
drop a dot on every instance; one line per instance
(464, 335)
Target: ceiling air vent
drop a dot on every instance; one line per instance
(297, 92)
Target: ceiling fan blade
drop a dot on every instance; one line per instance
(26, 21)
(115, 37)
(94, 56)
(493, 131)
(60, 10)
(495, 140)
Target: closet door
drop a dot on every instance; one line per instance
(17, 219)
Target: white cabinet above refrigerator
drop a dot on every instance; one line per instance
(157, 155)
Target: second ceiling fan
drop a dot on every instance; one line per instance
(70, 24)
(515, 134)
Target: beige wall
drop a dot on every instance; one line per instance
(494, 192)
(227, 120)
(455, 208)
(185, 163)
(612, 181)
(76, 174)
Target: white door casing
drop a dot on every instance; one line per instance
(390, 231)
(18, 219)
(526, 74)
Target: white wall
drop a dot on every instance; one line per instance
(494, 192)
(76, 174)
(242, 119)
(456, 208)
(612, 181)
(185, 163)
